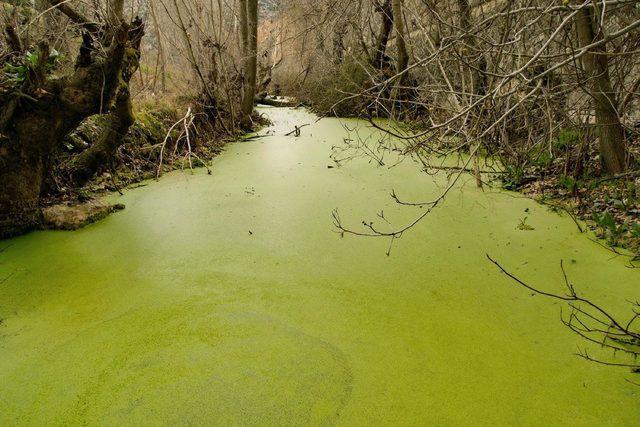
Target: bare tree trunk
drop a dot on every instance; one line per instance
(469, 42)
(191, 55)
(115, 12)
(13, 39)
(386, 13)
(595, 64)
(400, 32)
(161, 57)
(477, 87)
(338, 45)
(250, 58)
(244, 29)
(115, 18)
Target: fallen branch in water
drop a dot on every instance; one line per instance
(460, 168)
(251, 138)
(166, 138)
(296, 130)
(591, 322)
(187, 122)
(273, 102)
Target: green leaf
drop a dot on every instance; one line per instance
(32, 58)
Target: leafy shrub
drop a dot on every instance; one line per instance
(543, 160)
(19, 73)
(611, 231)
(570, 183)
(512, 179)
(567, 138)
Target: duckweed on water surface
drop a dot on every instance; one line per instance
(206, 303)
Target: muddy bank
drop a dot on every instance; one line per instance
(607, 206)
(75, 216)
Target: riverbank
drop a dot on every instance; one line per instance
(608, 206)
(162, 139)
(563, 170)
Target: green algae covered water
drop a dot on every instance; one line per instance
(230, 299)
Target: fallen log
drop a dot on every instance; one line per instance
(276, 102)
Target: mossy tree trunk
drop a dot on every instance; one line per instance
(84, 166)
(42, 112)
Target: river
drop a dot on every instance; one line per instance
(231, 299)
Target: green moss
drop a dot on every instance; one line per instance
(151, 124)
(567, 138)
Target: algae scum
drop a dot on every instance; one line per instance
(230, 299)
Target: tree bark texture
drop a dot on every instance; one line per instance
(595, 65)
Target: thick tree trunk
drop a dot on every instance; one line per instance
(595, 64)
(250, 59)
(84, 166)
(47, 112)
(21, 172)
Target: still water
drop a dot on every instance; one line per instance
(230, 299)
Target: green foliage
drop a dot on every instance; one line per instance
(567, 138)
(512, 179)
(22, 3)
(605, 221)
(611, 231)
(19, 73)
(631, 190)
(616, 199)
(543, 160)
(570, 183)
